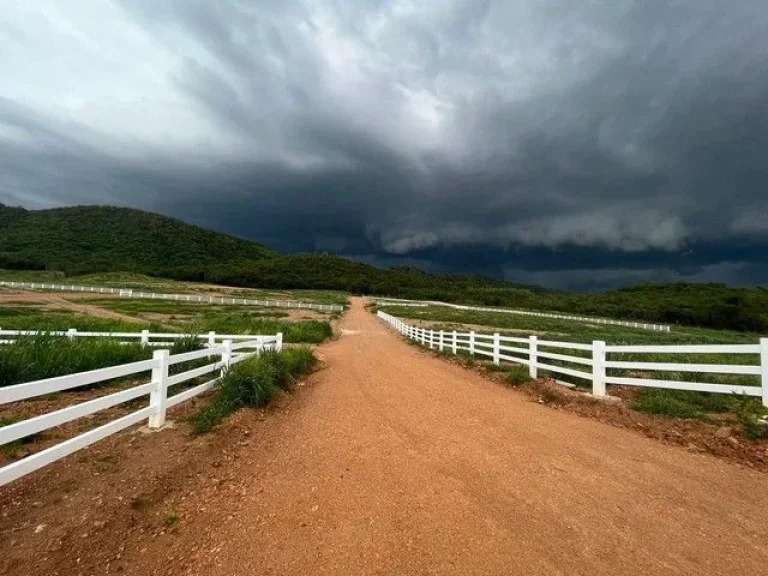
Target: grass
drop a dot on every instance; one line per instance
(254, 383)
(184, 316)
(35, 318)
(146, 283)
(171, 518)
(45, 356)
(518, 375)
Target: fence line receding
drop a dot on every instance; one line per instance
(131, 293)
(553, 315)
(594, 364)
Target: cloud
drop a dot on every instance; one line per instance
(403, 129)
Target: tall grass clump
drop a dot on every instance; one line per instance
(518, 375)
(45, 356)
(253, 383)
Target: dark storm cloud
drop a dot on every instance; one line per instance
(581, 145)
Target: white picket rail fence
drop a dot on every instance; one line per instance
(554, 315)
(594, 367)
(228, 354)
(145, 337)
(130, 293)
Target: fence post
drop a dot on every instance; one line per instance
(496, 351)
(279, 343)
(764, 369)
(440, 341)
(598, 368)
(533, 371)
(454, 342)
(472, 342)
(431, 339)
(158, 395)
(211, 339)
(144, 337)
(226, 356)
(71, 333)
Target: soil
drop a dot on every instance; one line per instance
(390, 461)
(51, 301)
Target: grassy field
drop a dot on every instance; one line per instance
(162, 285)
(163, 316)
(666, 402)
(568, 331)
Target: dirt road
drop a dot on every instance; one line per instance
(393, 462)
(399, 463)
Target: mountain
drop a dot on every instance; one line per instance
(84, 239)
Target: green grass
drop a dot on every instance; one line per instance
(34, 318)
(44, 356)
(518, 375)
(192, 318)
(253, 383)
(568, 330)
(305, 331)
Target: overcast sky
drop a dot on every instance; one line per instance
(583, 144)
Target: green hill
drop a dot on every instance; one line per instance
(88, 239)
(102, 238)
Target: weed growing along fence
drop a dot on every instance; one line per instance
(164, 377)
(254, 383)
(555, 315)
(130, 293)
(591, 363)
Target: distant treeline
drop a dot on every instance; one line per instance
(82, 240)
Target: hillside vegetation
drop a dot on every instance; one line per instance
(101, 238)
(83, 240)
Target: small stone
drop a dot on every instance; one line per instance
(734, 442)
(315, 508)
(724, 432)
(39, 528)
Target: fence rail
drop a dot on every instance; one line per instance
(130, 293)
(600, 370)
(554, 315)
(154, 339)
(225, 355)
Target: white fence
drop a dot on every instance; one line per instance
(594, 365)
(555, 315)
(227, 354)
(130, 293)
(145, 337)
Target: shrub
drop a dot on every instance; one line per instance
(752, 415)
(254, 382)
(518, 375)
(666, 403)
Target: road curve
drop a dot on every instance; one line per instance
(399, 463)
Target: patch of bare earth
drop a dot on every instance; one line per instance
(51, 301)
(134, 495)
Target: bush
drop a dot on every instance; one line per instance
(751, 415)
(44, 356)
(254, 382)
(518, 375)
(666, 403)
